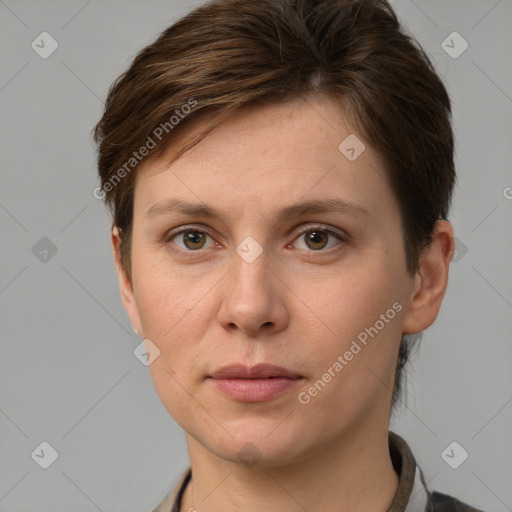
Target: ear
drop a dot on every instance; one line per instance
(125, 283)
(430, 280)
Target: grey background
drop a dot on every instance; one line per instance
(68, 375)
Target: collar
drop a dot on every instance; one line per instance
(411, 495)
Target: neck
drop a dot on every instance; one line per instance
(354, 474)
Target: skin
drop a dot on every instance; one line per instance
(297, 305)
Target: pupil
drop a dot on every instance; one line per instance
(315, 237)
(193, 237)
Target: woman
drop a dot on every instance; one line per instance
(280, 174)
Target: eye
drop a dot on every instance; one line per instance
(192, 239)
(317, 238)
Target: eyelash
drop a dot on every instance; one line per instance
(319, 227)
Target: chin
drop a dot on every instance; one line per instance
(267, 446)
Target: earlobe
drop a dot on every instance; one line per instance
(431, 280)
(125, 283)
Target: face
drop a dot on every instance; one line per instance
(322, 292)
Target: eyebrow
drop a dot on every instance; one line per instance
(327, 205)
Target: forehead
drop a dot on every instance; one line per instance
(265, 156)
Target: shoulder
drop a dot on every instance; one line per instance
(444, 503)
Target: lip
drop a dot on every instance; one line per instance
(253, 384)
(260, 371)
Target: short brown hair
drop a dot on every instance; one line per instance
(231, 54)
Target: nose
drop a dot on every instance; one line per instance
(253, 298)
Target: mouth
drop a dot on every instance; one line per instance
(253, 384)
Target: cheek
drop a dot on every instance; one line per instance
(172, 320)
(351, 299)
(175, 312)
(360, 318)
(163, 296)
